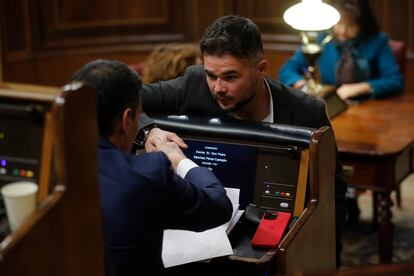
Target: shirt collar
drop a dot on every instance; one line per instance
(269, 117)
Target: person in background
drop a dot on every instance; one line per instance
(358, 60)
(145, 194)
(170, 61)
(233, 83)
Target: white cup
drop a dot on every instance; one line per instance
(20, 201)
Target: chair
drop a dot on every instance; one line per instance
(399, 49)
(64, 235)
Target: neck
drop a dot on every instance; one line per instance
(258, 107)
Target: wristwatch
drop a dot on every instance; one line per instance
(143, 135)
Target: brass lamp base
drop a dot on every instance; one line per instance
(333, 103)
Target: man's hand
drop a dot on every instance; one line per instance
(157, 135)
(171, 149)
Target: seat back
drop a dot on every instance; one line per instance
(399, 49)
(274, 166)
(50, 133)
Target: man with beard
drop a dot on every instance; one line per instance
(233, 83)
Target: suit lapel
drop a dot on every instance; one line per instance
(282, 108)
(283, 116)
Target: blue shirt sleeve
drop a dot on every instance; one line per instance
(389, 80)
(292, 70)
(385, 78)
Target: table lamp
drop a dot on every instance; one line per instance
(311, 17)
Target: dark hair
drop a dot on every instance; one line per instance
(361, 12)
(116, 86)
(233, 35)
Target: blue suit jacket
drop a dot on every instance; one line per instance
(384, 75)
(141, 196)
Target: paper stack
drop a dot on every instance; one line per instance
(181, 246)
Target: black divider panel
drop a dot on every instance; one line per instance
(21, 138)
(261, 159)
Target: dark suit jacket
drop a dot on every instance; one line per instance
(191, 95)
(141, 196)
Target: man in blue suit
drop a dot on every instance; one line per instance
(143, 195)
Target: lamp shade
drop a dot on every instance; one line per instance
(311, 15)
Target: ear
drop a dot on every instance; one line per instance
(126, 120)
(262, 67)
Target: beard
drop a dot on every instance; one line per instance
(237, 106)
(240, 104)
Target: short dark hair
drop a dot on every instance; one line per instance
(234, 35)
(116, 86)
(361, 12)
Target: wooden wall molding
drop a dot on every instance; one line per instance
(61, 24)
(16, 35)
(205, 12)
(66, 26)
(38, 36)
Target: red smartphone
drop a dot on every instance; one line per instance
(271, 228)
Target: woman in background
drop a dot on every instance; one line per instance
(358, 60)
(170, 61)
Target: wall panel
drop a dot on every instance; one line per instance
(268, 14)
(207, 11)
(69, 24)
(18, 44)
(44, 41)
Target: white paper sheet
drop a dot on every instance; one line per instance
(181, 246)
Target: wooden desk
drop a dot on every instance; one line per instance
(375, 141)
